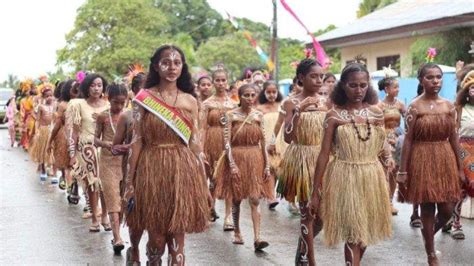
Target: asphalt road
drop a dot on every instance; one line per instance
(39, 227)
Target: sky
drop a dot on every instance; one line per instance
(32, 31)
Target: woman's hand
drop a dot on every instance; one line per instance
(49, 147)
(314, 203)
(308, 101)
(271, 149)
(129, 192)
(120, 149)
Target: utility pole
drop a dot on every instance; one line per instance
(274, 54)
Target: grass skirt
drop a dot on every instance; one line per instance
(355, 199)
(432, 174)
(297, 171)
(356, 207)
(170, 191)
(60, 153)
(110, 169)
(250, 162)
(38, 151)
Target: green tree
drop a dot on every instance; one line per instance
(232, 50)
(108, 35)
(451, 46)
(193, 17)
(290, 52)
(12, 81)
(368, 6)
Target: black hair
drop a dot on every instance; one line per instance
(184, 82)
(116, 89)
(87, 82)
(43, 92)
(220, 70)
(66, 90)
(304, 67)
(246, 86)
(329, 75)
(385, 82)
(203, 78)
(57, 91)
(137, 81)
(338, 95)
(263, 99)
(421, 74)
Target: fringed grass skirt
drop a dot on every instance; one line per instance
(213, 146)
(60, 153)
(355, 203)
(432, 174)
(38, 151)
(250, 184)
(170, 191)
(297, 172)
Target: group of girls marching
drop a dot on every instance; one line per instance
(330, 147)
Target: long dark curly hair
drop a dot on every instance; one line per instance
(338, 95)
(184, 82)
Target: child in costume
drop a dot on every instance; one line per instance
(10, 118)
(39, 152)
(305, 114)
(211, 125)
(270, 99)
(110, 167)
(83, 114)
(393, 110)
(57, 143)
(246, 171)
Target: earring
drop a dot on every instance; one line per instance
(467, 99)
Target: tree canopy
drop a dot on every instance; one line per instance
(109, 35)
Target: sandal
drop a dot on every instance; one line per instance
(238, 240)
(62, 183)
(272, 205)
(228, 227)
(259, 245)
(415, 222)
(214, 215)
(117, 246)
(128, 258)
(107, 226)
(94, 228)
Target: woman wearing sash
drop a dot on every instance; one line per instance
(305, 114)
(166, 189)
(212, 114)
(245, 171)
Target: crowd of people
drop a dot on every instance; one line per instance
(157, 150)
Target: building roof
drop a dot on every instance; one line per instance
(406, 13)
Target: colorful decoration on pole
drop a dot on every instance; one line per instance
(430, 55)
(320, 54)
(263, 56)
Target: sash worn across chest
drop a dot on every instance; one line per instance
(166, 113)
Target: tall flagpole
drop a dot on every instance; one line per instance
(274, 55)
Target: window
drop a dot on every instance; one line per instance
(392, 60)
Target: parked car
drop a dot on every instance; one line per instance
(5, 95)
